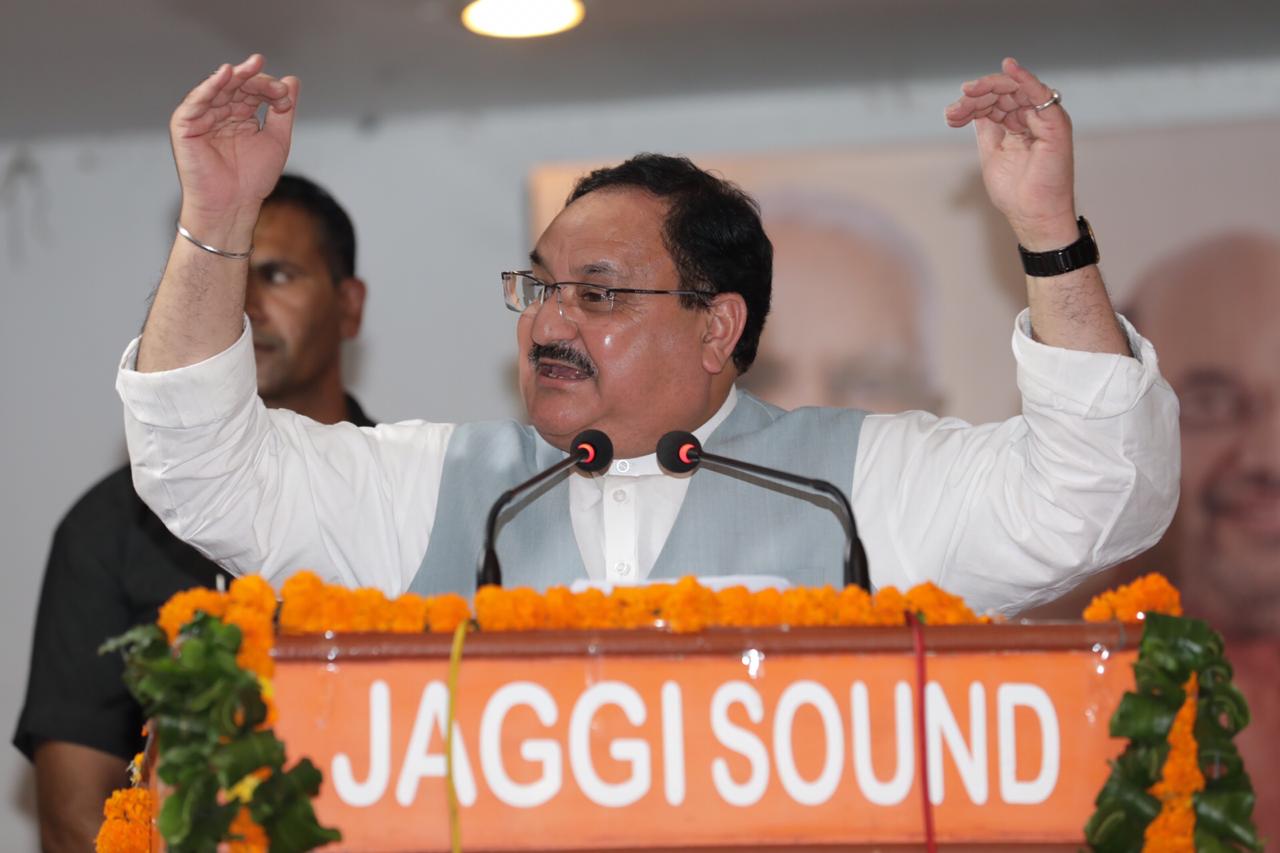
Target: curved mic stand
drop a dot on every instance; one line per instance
(591, 451)
(680, 452)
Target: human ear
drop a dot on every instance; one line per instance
(725, 319)
(351, 295)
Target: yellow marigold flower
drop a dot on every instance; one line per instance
(447, 612)
(243, 790)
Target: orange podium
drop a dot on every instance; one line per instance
(724, 739)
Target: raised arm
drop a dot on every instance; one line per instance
(1024, 141)
(227, 164)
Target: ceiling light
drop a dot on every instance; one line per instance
(514, 19)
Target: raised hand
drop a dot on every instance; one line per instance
(1026, 153)
(226, 161)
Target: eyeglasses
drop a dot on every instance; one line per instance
(577, 301)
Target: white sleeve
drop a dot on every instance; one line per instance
(1013, 514)
(270, 491)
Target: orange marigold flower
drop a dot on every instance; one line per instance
(182, 608)
(253, 593)
(766, 608)
(519, 609)
(939, 607)
(636, 606)
(594, 610)
(370, 610)
(252, 837)
(446, 612)
(733, 606)
(408, 614)
(888, 607)
(302, 611)
(127, 828)
(853, 607)
(1180, 778)
(1150, 593)
(688, 606)
(562, 609)
(809, 607)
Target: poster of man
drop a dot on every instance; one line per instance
(901, 238)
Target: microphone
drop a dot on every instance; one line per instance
(591, 451)
(680, 452)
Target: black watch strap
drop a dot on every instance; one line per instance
(1081, 253)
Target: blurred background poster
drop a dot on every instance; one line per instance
(896, 285)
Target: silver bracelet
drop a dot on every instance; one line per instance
(214, 250)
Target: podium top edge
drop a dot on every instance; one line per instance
(653, 642)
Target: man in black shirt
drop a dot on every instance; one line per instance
(113, 563)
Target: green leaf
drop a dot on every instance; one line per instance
(1142, 718)
(246, 754)
(282, 806)
(1141, 764)
(1229, 815)
(1225, 705)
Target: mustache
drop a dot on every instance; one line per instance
(1244, 489)
(562, 353)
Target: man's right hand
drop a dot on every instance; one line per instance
(227, 163)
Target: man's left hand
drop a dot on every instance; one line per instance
(1026, 154)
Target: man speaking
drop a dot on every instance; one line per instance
(644, 302)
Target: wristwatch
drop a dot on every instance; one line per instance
(1081, 253)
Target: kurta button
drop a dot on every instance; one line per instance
(620, 495)
(623, 569)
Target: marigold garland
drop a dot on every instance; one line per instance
(311, 606)
(1150, 593)
(1174, 828)
(687, 606)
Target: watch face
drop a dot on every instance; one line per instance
(1088, 229)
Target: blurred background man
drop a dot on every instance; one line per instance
(113, 563)
(852, 319)
(1213, 312)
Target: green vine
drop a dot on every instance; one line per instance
(205, 714)
(1172, 649)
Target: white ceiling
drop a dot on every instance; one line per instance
(71, 66)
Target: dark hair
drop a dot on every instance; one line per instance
(337, 235)
(712, 231)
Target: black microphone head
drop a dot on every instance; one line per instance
(593, 449)
(679, 452)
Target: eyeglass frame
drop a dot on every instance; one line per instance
(602, 287)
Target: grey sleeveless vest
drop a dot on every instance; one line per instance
(729, 523)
